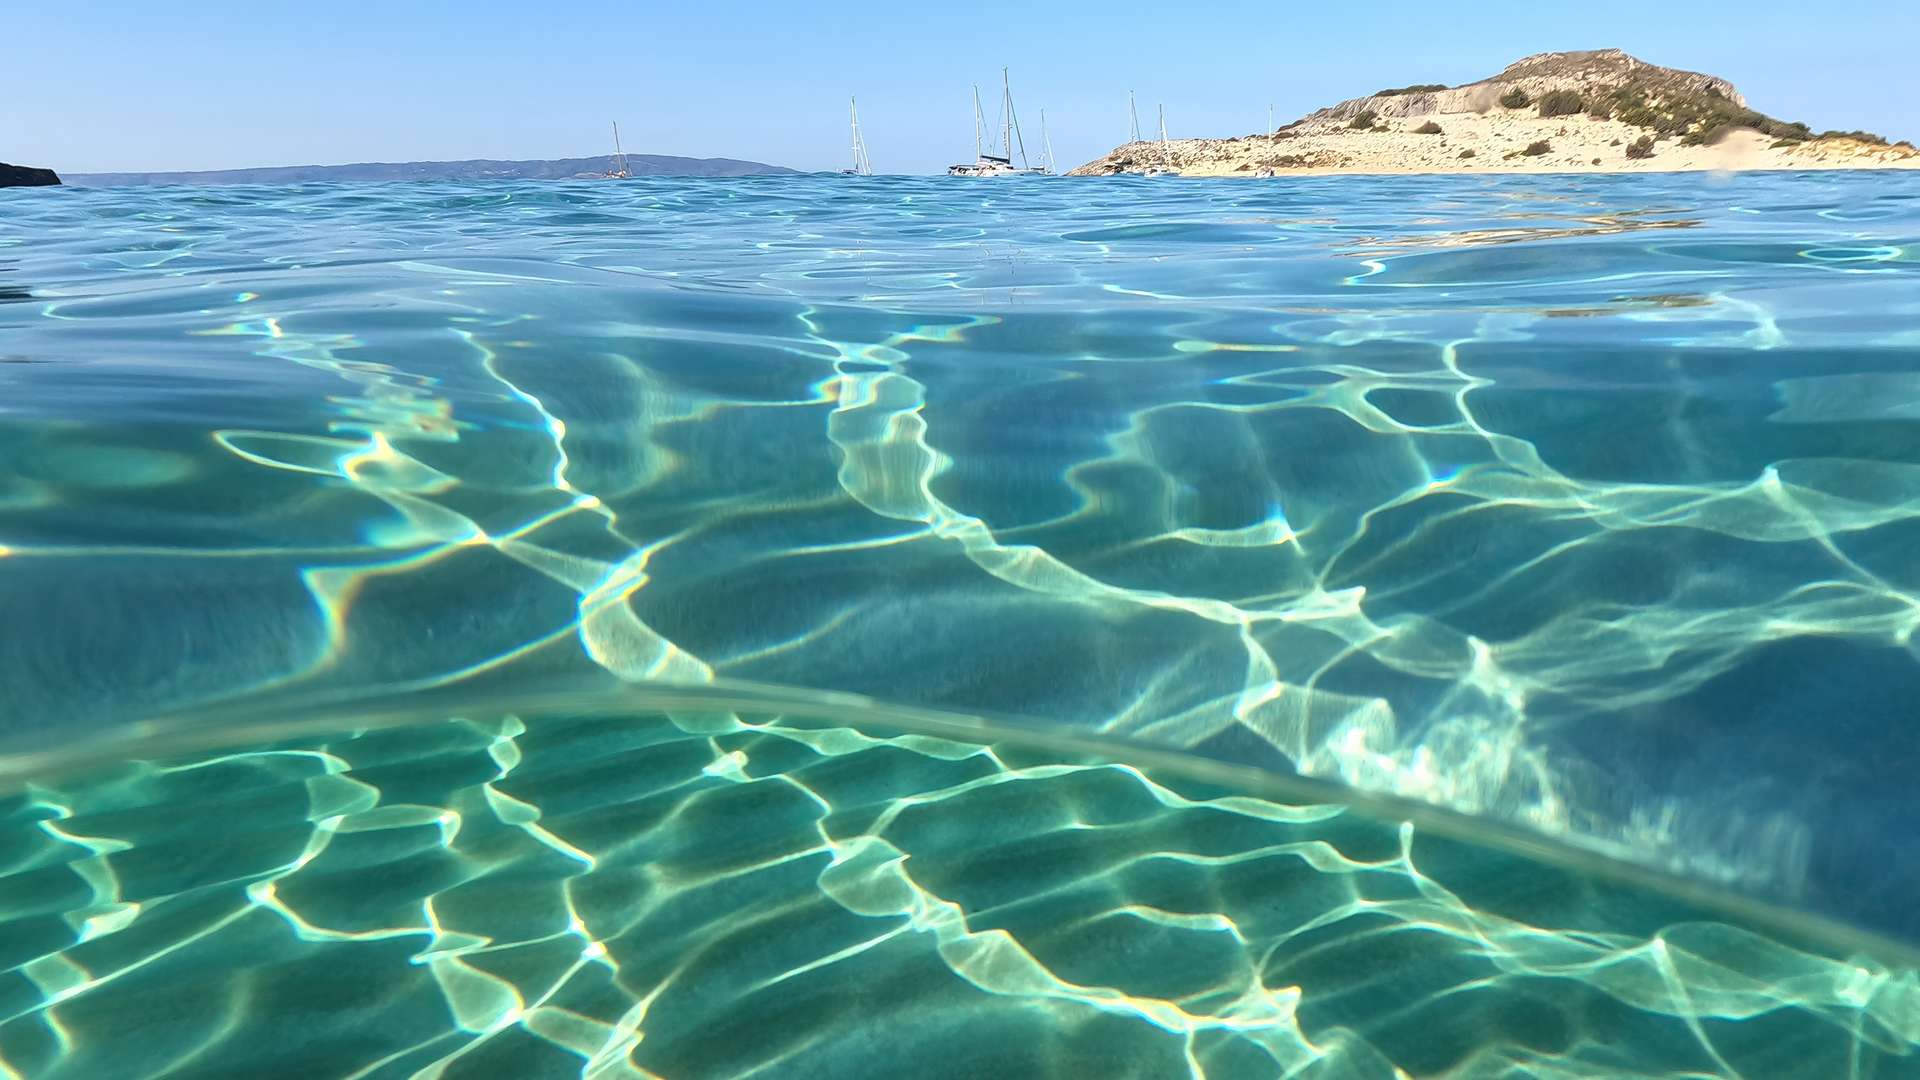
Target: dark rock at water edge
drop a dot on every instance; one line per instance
(24, 176)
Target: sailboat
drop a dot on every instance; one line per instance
(862, 166)
(618, 160)
(1165, 168)
(1000, 164)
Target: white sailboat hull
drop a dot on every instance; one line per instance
(991, 165)
(985, 167)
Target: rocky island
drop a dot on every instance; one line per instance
(1599, 111)
(26, 176)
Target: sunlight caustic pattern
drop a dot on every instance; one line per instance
(708, 894)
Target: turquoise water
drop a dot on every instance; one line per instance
(875, 627)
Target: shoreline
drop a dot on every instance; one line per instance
(1470, 144)
(1507, 169)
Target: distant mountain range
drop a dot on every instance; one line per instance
(556, 169)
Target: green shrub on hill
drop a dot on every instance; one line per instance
(1515, 98)
(1699, 118)
(1863, 136)
(1417, 88)
(1714, 124)
(1428, 128)
(1535, 149)
(1467, 154)
(1364, 121)
(1641, 147)
(1561, 103)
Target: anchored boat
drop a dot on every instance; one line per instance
(619, 171)
(1165, 167)
(998, 164)
(862, 166)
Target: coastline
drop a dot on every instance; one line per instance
(1496, 144)
(1506, 169)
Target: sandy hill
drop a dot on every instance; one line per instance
(1600, 110)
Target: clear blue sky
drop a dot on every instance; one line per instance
(110, 85)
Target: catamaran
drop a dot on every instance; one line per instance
(862, 166)
(1000, 164)
(618, 160)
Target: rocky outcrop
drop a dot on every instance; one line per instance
(23, 176)
(1590, 73)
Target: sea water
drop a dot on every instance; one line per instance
(826, 626)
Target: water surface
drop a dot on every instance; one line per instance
(1579, 508)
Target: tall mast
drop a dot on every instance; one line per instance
(979, 121)
(862, 165)
(619, 156)
(1134, 115)
(1046, 140)
(1269, 119)
(1163, 125)
(1012, 123)
(1006, 115)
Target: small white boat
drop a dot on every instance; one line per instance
(1000, 164)
(618, 161)
(862, 165)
